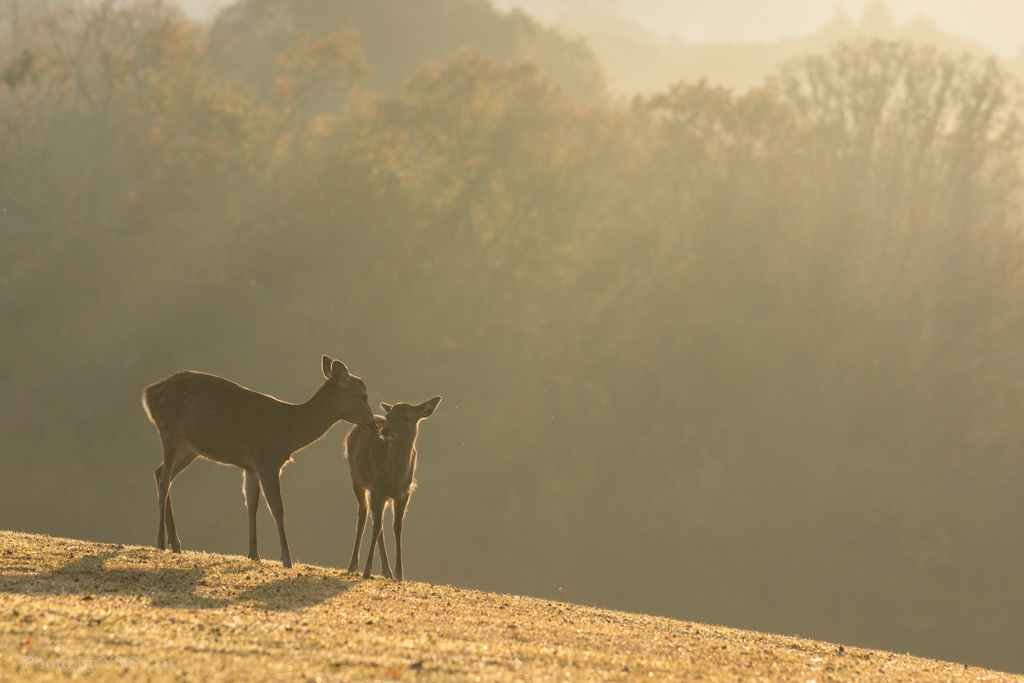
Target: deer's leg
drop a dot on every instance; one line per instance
(251, 487)
(171, 444)
(270, 478)
(385, 563)
(161, 533)
(399, 510)
(185, 457)
(377, 502)
(360, 492)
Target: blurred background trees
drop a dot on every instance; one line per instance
(747, 359)
(398, 35)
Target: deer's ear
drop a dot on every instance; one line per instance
(427, 407)
(338, 371)
(386, 406)
(326, 364)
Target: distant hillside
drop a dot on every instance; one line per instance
(107, 610)
(638, 61)
(397, 36)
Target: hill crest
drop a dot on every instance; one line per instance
(107, 610)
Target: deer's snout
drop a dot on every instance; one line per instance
(387, 433)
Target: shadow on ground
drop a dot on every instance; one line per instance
(191, 584)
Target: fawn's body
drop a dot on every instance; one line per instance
(383, 468)
(197, 414)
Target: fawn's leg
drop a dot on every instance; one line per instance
(186, 455)
(385, 564)
(360, 492)
(377, 502)
(251, 487)
(399, 510)
(270, 478)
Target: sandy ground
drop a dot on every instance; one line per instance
(71, 609)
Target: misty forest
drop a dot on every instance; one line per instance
(751, 357)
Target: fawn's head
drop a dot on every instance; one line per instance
(402, 419)
(348, 395)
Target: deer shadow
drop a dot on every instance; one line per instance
(183, 587)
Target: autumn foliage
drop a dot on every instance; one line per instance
(751, 359)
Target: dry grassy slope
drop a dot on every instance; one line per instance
(144, 614)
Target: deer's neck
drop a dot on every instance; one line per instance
(400, 454)
(312, 419)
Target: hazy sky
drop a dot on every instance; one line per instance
(996, 23)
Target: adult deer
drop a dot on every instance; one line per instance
(197, 414)
(383, 464)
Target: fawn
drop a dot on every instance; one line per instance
(200, 414)
(383, 464)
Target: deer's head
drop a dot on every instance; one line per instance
(348, 395)
(402, 419)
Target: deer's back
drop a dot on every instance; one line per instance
(375, 466)
(217, 416)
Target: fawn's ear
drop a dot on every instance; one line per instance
(338, 371)
(427, 407)
(387, 407)
(326, 365)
